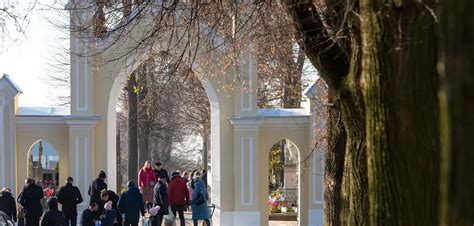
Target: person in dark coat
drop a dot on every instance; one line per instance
(160, 199)
(96, 187)
(69, 197)
(160, 172)
(131, 205)
(30, 199)
(89, 215)
(178, 196)
(53, 217)
(113, 197)
(199, 204)
(8, 204)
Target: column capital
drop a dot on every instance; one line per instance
(81, 122)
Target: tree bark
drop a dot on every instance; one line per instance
(457, 107)
(334, 162)
(132, 129)
(399, 83)
(339, 65)
(143, 118)
(205, 151)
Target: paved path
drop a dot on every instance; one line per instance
(189, 222)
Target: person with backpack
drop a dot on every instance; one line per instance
(8, 204)
(30, 198)
(131, 205)
(199, 204)
(178, 196)
(69, 197)
(53, 217)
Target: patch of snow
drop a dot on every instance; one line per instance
(45, 111)
(282, 112)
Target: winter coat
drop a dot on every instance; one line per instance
(131, 204)
(108, 219)
(53, 218)
(161, 198)
(200, 212)
(146, 178)
(8, 205)
(94, 190)
(69, 196)
(88, 218)
(30, 199)
(114, 198)
(178, 193)
(162, 173)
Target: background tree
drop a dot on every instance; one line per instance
(457, 118)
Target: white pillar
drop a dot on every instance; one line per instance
(81, 13)
(81, 150)
(8, 92)
(246, 86)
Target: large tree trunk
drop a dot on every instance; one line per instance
(132, 130)
(399, 83)
(205, 151)
(143, 119)
(339, 65)
(457, 107)
(334, 162)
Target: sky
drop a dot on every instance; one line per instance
(29, 60)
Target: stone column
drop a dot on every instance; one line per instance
(246, 170)
(317, 94)
(8, 93)
(246, 84)
(81, 161)
(81, 13)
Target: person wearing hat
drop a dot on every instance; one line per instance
(96, 188)
(53, 216)
(160, 172)
(178, 196)
(69, 197)
(160, 201)
(131, 205)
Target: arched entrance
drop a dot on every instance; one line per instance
(283, 183)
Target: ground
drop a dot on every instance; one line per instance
(272, 223)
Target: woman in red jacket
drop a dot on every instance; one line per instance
(146, 182)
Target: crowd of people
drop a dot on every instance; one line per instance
(156, 196)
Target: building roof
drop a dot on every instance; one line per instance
(282, 112)
(45, 111)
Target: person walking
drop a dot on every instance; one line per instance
(131, 205)
(178, 196)
(53, 217)
(89, 215)
(161, 200)
(30, 199)
(146, 182)
(69, 197)
(96, 187)
(8, 204)
(160, 172)
(199, 204)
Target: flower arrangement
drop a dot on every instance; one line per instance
(276, 202)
